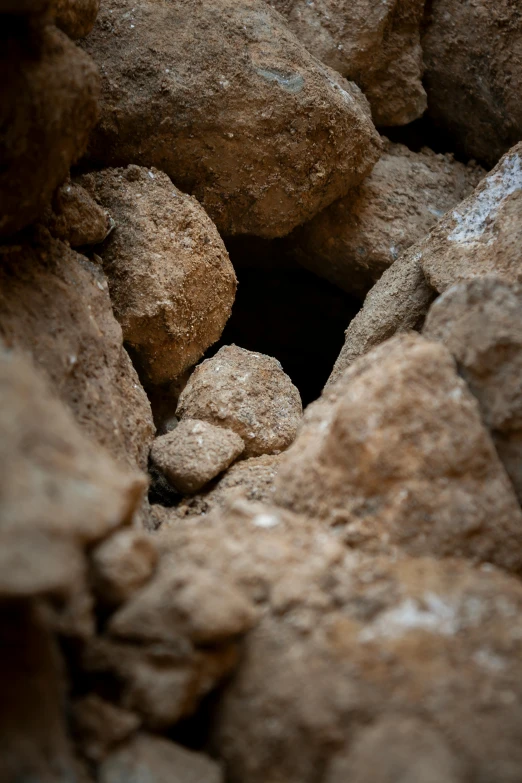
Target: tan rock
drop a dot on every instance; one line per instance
(55, 306)
(377, 45)
(158, 760)
(355, 239)
(473, 58)
(396, 455)
(99, 725)
(248, 393)
(171, 281)
(480, 322)
(122, 564)
(74, 217)
(194, 453)
(49, 106)
(75, 17)
(287, 136)
(58, 490)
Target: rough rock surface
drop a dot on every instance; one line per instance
(376, 45)
(194, 453)
(75, 17)
(99, 725)
(49, 105)
(55, 306)
(396, 454)
(355, 239)
(171, 281)
(473, 57)
(157, 760)
(480, 322)
(398, 302)
(233, 108)
(58, 490)
(248, 393)
(482, 236)
(74, 217)
(122, 564)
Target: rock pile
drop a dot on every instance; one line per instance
(200, 581)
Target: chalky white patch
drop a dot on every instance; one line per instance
(434, 615)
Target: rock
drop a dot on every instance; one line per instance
(59, 491)
(473, 58)
(482, 235)
(158, 760)
(33, 737)
(122, 564)
(23, 7)
(480, 322)
(75, 17)
(398, 302)
(194, 453)
(414, 645)
(99, 725)
(49, 106)
(248, 393)
(55, 306)
(171, 281)
(287, 137)
(74, 217)
(375, 45)
(395, 455)
(355, 239)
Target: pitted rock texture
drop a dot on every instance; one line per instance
(55, 306)
(395, 454)
(75, 17)
(194, 453)
(480, 322)
(376, 45)
(355, 239)
(171, 282)
(232, 107)
(49, 106)
(473, 58)
(74, 217)
(59, 491)
(248, 393)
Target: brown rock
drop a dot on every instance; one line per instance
(355, 239)
(75, 17)
(170, 278)
(473, 57)
(247, 392)
(23, 7)
(377, 45)
(74, 217)
(396, 454)
(398, 302)
(287, 136)
(55, 306)
(58, 490)
(158, 760)
(480, 322)
(99, 725)
(33, 738)
(122, 564)
(422, 646)
(194, 453)
(49, 106)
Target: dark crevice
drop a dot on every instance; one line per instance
(424, 132)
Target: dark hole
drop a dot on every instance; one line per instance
(287, 312)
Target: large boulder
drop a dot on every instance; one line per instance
(171, 281)
(480, 322)
(224, 99)
(55, 306)
(473, 58)
(376, 45)
(395, 455)
(356, 238)
(49, 106)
